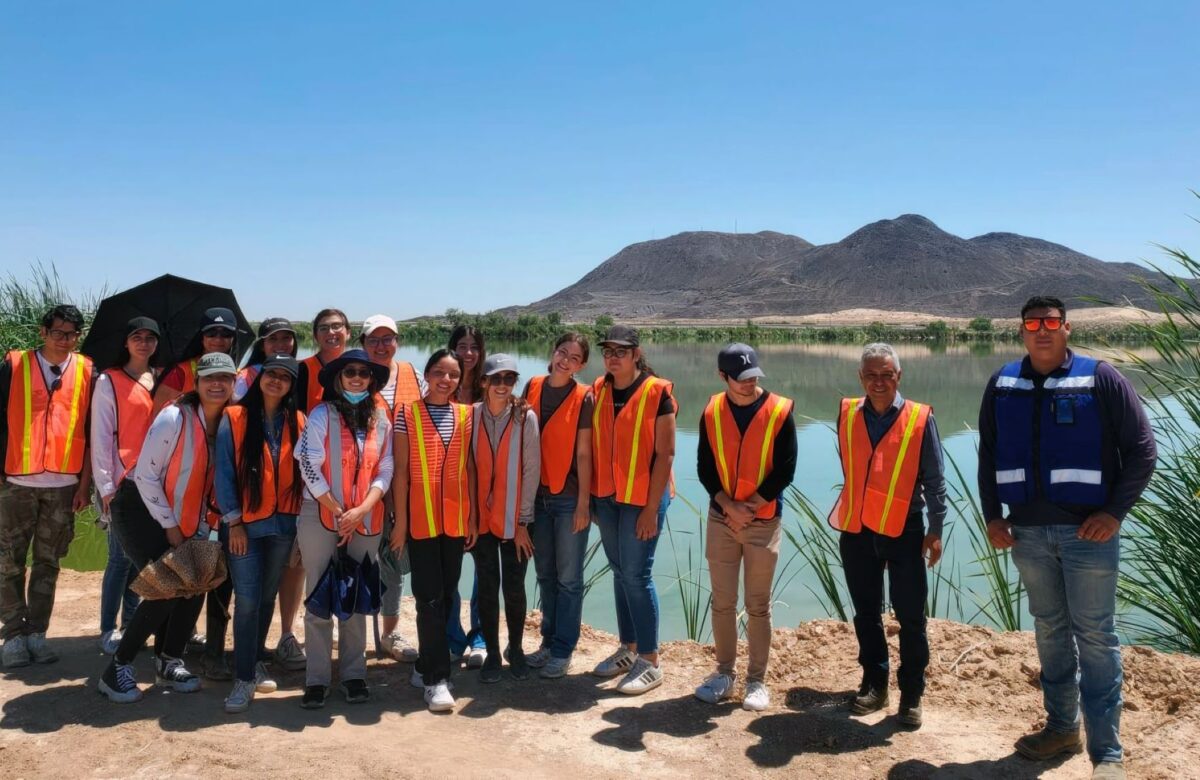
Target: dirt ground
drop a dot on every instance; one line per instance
(982, 695)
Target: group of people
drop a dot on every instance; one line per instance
(352, 457)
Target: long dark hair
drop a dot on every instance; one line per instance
(258, 354)
(570, 337)
(476, 379)
(357, 416)
(250, 460)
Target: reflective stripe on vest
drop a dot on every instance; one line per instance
(46, 426)
(742, 479)
(350, 488)
(497, 485)
(620, 471)
(188, 482)
(428, 458)
(559, 433)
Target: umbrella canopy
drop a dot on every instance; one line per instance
(194, 567)
(336, 591)
(370, 588)
(177, 304)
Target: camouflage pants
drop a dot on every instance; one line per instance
(43, 517)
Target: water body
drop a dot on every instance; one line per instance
(951, 379)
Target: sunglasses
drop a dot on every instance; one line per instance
(218, 333)
(57, 383)
(350, 372)
(508, 379)
(1034, 324)
(620, 352)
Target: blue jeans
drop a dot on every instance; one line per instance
(558, 554)
(255, 577)
(115, 595)
(1072, 589)
(632, 562)
(460, 640)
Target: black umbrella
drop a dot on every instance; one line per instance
(177, 304)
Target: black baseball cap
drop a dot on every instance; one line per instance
(141, 323)
(739, 362)
(283, 363)
(621, 335)
(218, 317)
(274, 325)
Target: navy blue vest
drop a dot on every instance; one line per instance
(1048, 441)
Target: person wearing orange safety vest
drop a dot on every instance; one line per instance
(437, 515)
(218, 333)
(504, 442)
(258, 491)
(276, 336)
(345, 458)
(893, 469)
(633, 447)
(45, 398)
(174, 476)
(404, 386)
(121, 415)
(746, 458)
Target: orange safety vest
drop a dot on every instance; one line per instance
(46, 427)
(880, 479)
(498, 476)
(349, 475)
(407, 387)
(189, 479)
(314, 392)
(276, 494)
(623, 445)
(134, 407)
(439, 498)
(558, 432)
(742, 461)
(189, 375)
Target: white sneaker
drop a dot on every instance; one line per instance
(171, 671)
(438, 697)
(538, 658)
(619, 662)
(39, 651)
(644, 676)
(415, 680)
(476, 657)
(263, 682)
(110, 641)
(555, 668)
(399, 648)
(16, 652)
(240, 697)
(715, 688)
(757, 697)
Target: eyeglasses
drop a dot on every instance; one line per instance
(619, 353)
(379, 341)
(1034, 324)
(350, 372)
(63, 335)
(563, 354)
(508, 379)
(218, 333)
(331, 327)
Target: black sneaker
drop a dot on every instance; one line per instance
(869, 699)
(490, 673)
(171, 671)
(518, 667)
(355, 691)
(314, 697)
(119, 683)
(910, 711)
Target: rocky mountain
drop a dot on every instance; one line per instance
(902, 264)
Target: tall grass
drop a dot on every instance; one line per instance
(691, 580)
(817, 544)
(23, 302)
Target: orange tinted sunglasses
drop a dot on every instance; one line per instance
(1033, 324)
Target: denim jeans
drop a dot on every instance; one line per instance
(255, 577)
(115, 595)
(1072, 588)
(461, 640)
(558, 554)
(632, 562)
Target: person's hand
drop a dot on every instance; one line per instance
(999, 533)
(931, 549)
(350, 519)
(174, 536)
(1099, 527)
(472, 533)
(583, 517)
(647, 523)
(106, 504)
(398, 539)
(739, 514)
(523, 542)
(80, 500)
(237, 539)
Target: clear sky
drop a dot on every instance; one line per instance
(412, 157)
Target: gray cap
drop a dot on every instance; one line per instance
(739, 362)
(499, 363)
(215, 363)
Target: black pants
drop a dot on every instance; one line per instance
(436, 566)
(865, 555)
(217, 610)
(144, 541)
(496, 561)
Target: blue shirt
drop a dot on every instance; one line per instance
(225, 486)
(930, 491)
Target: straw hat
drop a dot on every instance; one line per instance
(194, 567)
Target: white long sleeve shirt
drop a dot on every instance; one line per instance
(151, 469)
(310, 451)
(107, 468)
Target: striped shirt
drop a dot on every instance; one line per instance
(443, 419)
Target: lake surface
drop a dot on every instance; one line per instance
(951, 379)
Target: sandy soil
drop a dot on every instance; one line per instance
(982, 695)
(1094, 316)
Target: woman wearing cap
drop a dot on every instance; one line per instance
(173, 475)
(633, 447)
(436, 516)
(562, 511)
(404, 386)
(345, 458)
(276, 336)
(504, 442)
(121, 416)
(467, 342)
(259, 491)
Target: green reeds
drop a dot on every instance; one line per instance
(23, 302)
(691, 580)
(817, 545)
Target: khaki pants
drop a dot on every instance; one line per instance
(758, 545)
(43, 517)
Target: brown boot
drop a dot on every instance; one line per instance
(910, 711)
(1108, 770)
(1048, 744)
(869, 699)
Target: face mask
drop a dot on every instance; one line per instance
(355, 398)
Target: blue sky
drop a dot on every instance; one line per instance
(405, 159)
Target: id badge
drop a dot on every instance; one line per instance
(1064, 411)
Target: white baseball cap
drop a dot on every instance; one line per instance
(377, 321)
